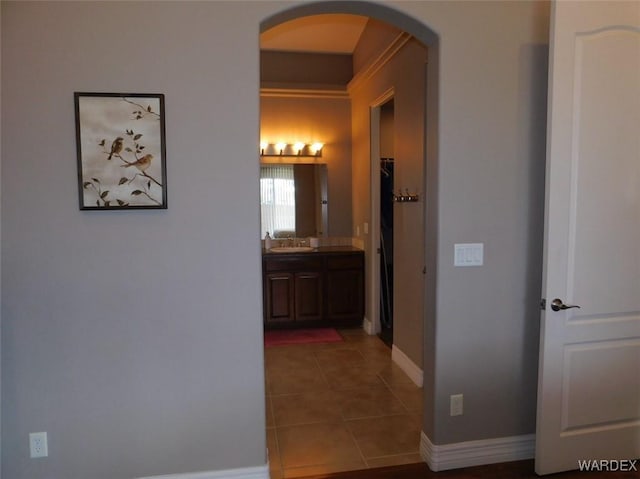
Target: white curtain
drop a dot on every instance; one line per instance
(277, 199)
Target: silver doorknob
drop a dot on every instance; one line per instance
(558, 305)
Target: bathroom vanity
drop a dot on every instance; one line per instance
(323, 287)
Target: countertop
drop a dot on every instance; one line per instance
(319, 250)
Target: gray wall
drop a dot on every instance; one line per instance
(320, 69)
(134, 338)
(482, 340)
(0, 254)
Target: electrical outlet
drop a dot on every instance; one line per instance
(455, 405)
(38, 444)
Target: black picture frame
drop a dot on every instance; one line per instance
(120, 139)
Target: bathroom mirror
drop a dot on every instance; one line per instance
(293, 200)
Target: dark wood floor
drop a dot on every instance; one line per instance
(509, 470)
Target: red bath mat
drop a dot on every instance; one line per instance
(300, 336)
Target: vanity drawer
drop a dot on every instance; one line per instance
(293, 263)
(352, 261)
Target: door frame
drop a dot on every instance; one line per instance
(372, 324)
(431, 39)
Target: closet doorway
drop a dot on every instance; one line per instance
(386, 221)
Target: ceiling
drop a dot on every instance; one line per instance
(328, 33)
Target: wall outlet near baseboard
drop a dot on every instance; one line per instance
(38, 446)
(455, 405)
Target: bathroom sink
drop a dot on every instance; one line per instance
(291, 249)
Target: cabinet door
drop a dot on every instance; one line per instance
(279, 300)
(308, 294)
(345, 296)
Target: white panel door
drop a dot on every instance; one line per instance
(589, 375)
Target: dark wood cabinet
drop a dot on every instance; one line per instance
(279, 307)
(321, 288)
(308, 295)
(345, 287)
(344, 294)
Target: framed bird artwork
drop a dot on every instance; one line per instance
(120, 140)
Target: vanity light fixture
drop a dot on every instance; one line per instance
(316, 149)
(291, 149)
(280, 147)
(297, 147)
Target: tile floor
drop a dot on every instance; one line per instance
(339, 406)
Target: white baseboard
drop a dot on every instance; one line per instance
(368, 327)
(259, 472)
(408, 366)
(476, 453)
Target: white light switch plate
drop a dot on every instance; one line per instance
(456, 405)
(469, 254)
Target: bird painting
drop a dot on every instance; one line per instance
(141, 163)
(116, 147)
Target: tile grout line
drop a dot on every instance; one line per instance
(275, 434)
(355, 441)
(392, 389)
(397, 397)
(345, 422)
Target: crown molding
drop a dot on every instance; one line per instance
(298, 92)
(380, 61)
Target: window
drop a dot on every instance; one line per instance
(277, 200)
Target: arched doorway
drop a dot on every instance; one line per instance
(363, 217)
